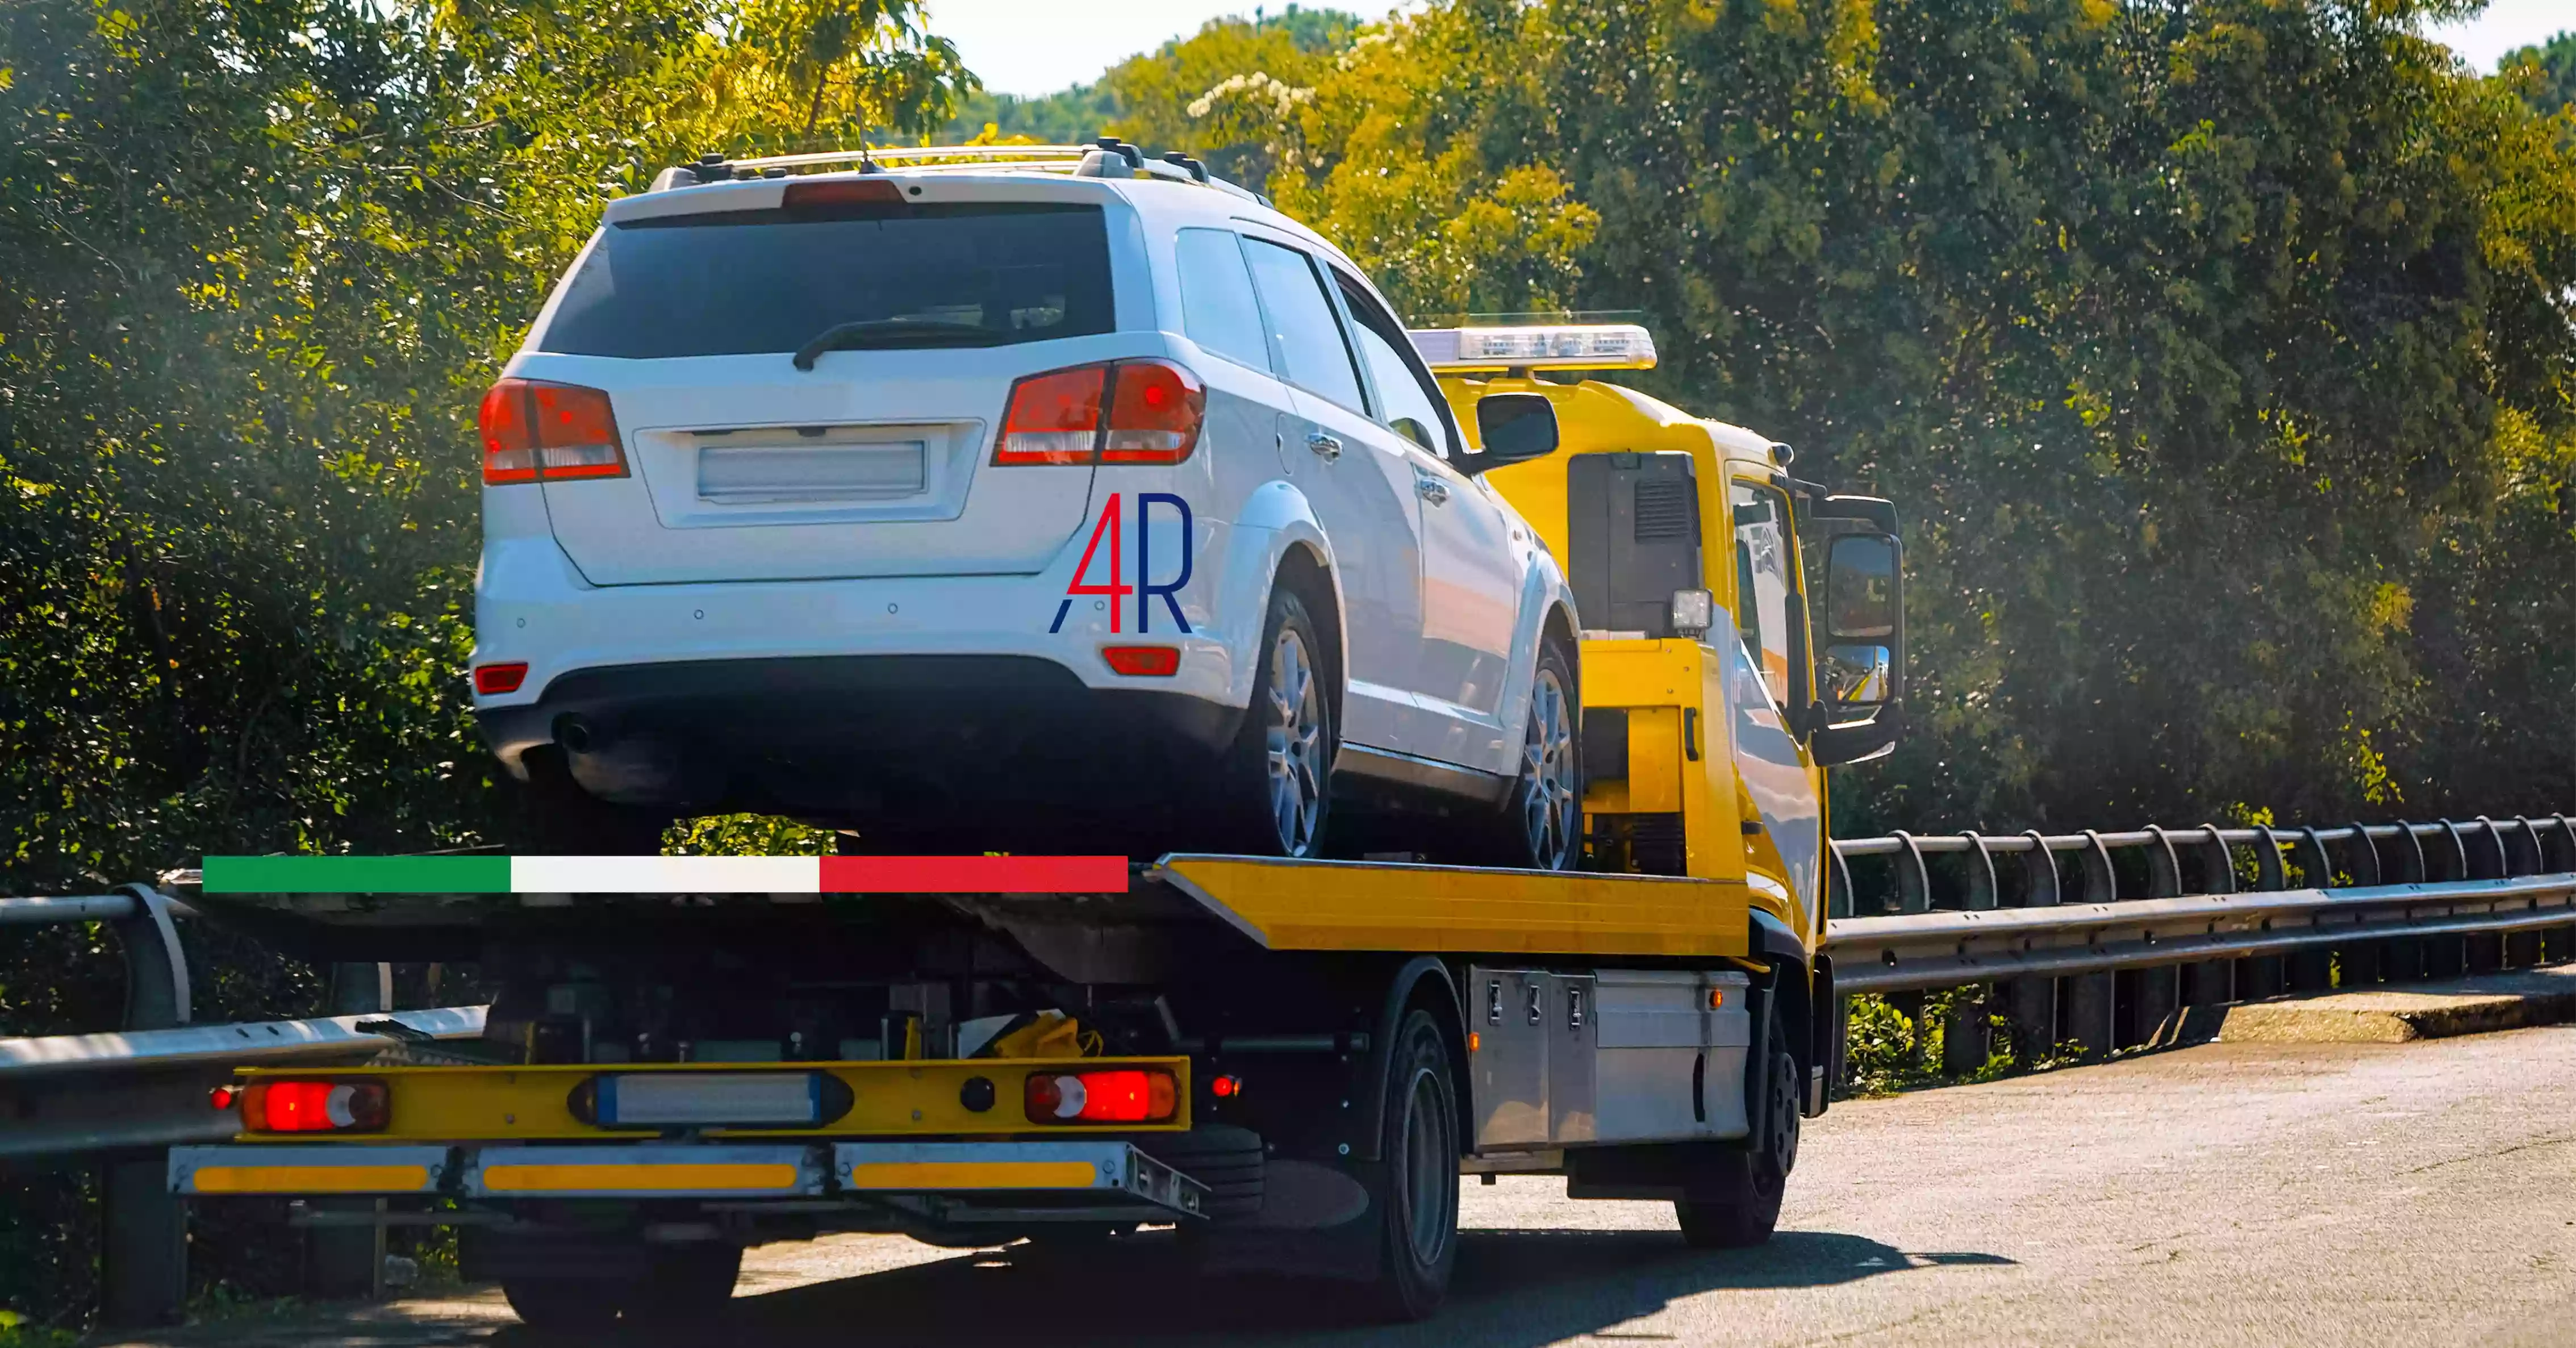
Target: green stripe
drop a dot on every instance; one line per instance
(357, 875)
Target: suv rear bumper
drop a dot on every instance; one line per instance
(900, 740)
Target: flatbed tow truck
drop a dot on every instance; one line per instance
(1292, 1062)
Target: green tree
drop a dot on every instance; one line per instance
(2218, 353)
(2551, 72)
(262, 257)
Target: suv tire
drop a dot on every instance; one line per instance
(1272, 793)
(1540, 826)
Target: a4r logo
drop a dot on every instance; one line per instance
(1145, 589)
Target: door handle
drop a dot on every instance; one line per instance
(1329, 446)
(1432, 489)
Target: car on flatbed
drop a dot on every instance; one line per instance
(981, 498)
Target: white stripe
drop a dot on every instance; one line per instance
(666, 875)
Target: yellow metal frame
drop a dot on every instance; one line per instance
(889, 1099)
(1350, 905)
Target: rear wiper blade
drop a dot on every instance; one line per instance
(893, 331)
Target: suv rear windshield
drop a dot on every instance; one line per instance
(737, 282)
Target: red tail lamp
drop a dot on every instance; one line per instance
(314, 1107)
(494, 680)
(1115, 1095)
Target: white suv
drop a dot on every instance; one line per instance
(967, 504)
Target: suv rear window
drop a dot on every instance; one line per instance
(738, 282)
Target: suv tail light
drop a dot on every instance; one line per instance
(1116, 1095)
(1129, 411)
(313, 1107)
(535, 430)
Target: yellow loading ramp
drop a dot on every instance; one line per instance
(1379, 906)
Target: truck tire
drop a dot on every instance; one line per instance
(1227, 1159)
(1733, 1197)
(689, 1284)
(1271, 794)
(1540, 827)
(1415, 1197)
(569, 1306)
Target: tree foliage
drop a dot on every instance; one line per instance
(261, 257)
(2219, 354)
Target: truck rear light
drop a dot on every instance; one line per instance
(1151, 662)
(1115, 1095)
(534, 430)
(494, 680)
(1154, 414)
(314, 1107)
(1153, 409)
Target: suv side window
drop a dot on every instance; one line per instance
(1218, 310)
(1301, 318)
(1410, 403)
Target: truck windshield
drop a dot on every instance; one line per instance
(741, 282)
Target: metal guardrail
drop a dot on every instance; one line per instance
(117, 1099)
(75, 1094)
(1920, 951)
(2119, 969)
(2482, 849)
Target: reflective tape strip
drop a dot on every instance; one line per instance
(664, 875)
(308, 1179)
(973, 1175)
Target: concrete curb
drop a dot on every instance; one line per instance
(2399, 1014)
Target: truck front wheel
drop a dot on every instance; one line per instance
(1416, 1198)
(1733, 1197)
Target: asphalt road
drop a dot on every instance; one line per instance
(2223, 1194)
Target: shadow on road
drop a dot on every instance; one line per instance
(1514, 1289)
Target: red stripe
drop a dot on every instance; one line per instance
(974, 875)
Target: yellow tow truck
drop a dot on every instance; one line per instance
(1292, 1062)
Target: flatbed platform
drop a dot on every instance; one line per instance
(1271, 904)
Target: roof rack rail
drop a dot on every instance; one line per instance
(1105, 158)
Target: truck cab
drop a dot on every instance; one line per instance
(1716, 691)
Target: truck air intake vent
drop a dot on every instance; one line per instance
(1663, 510)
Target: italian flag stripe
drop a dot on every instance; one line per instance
(664, 875)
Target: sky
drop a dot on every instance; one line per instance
(1030, 47)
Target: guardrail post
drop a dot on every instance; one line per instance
(2363, 961)
(2155, 994)
(2031, 1003)
(2558, 856)
(1965, 1040)
(2312, 969)
(143, 1237)
(2489, 861)
(2092, 1007)
(2212, 982)
(2522, 948)
(349, 1261)
(2447, 956)
(2260, 976)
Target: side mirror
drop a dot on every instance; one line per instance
(1861, 668)
(1513, 427)
(1862, 604)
